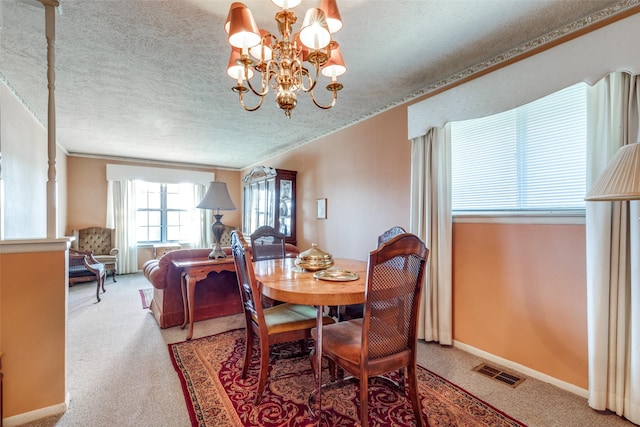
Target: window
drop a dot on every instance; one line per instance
(529, 159)
(165, 212)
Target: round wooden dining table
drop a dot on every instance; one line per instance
(281, 280)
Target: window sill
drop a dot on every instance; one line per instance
(530, 217)
(159, 244)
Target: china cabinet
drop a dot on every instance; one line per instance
(270, 199)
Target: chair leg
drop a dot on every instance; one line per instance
(364, 401)
(248, 350)
(98, 281)
(332, 370)
(401, 379)
(414, 395)
(264, 370)
(312, 360)
(113, 275)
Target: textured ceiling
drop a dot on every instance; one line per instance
(145, 79)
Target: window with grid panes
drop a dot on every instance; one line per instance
(164, 212)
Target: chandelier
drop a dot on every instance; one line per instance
(289, 64)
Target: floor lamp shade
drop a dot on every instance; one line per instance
(621, 178)
(217, 199)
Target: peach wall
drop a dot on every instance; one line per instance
(87, 193)
(363, 172)
(33, 315)
(520, 294)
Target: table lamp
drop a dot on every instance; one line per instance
(217, 199)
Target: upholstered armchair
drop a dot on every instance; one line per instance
(225, 239)
(100, 242)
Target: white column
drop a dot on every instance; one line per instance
(52, 184)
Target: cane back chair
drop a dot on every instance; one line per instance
(274, 325)
(384, 340)
(267, 243)
(354, 311)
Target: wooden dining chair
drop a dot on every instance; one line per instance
(355, 311)
(267, 243)
(274, 325)
(384, 340)
(389, 234)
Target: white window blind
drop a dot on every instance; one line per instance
(531, 158)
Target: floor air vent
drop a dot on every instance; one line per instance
(498, 375)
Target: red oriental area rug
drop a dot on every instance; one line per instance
(210, 367)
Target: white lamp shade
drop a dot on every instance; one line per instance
(235, 70)
(264, 47)
(330, 8)
(286, 4)
(335, 65)
(304, 51)
(217, 198)
(621, 178)
(243, 31)
(315, 32)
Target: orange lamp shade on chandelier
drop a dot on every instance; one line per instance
(288, 64)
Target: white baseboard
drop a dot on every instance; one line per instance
(523, 369)
(38, 414)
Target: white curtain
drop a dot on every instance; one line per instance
(431, 221)
(613, 256)
(203, 231)
(121, 216)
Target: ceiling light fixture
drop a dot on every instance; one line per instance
(284, 63)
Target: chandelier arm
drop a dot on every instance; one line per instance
(261, 93)
(241, 99)
(265, 87)
(305, 72)
(272, 68)
(324, 107)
